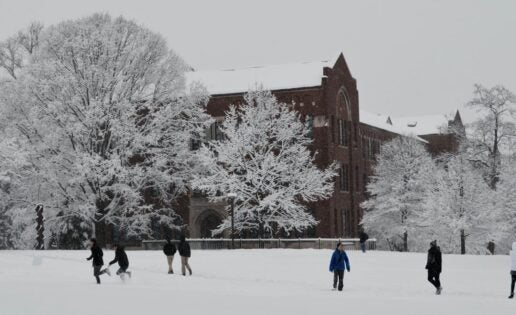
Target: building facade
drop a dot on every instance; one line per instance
(326, 96)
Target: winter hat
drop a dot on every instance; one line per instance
(433, 243)
(93, 240)
(338, 245)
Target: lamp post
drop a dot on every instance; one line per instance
(231, 197)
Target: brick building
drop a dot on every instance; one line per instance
(326, 95)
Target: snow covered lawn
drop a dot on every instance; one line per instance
(276, 281)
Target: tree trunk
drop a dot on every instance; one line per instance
(495, 156)
(40, 227)
(93, 230)
(462, 242)
(491, 247)
(405, 241)
(101, 234)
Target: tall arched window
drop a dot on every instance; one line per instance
(344, 104)
(344, 123)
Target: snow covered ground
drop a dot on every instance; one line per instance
(252, 282)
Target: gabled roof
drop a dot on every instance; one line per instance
(303, 75)
(410, 125)
(423, 125)
(275, 77)
(386, 123)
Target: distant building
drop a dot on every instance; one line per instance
(326, 95)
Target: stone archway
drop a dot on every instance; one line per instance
(207, 221)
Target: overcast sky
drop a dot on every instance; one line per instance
(409, 57)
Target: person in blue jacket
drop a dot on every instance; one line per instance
(339, 262)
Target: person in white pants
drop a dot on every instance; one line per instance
(513, 269)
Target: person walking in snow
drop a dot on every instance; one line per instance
(434, 266)
(363, 239)
(98, 262)
(513, 269)
(123, 261)
(185, 253)
(169, 250)
(338, 263)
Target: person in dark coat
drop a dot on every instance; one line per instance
(98, 262)
(434, 266)
(363, 239)
(123, 261)
(513, 269)
(338, 263)
(185, 253)
(169, 250)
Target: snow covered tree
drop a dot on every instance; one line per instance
(15, 49)
(505, 208)
(30, 37)
(490, 132)
(403, 178)
(265, 160)
(462, 206)
(11, 55)
(5, 224)
(107, 119)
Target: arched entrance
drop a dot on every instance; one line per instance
(207, 222)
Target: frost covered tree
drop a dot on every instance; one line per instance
(5, 222)
(15, 50)
(264, 158)
(505, 208)
(104, 112)
(403, 179)
(461, 206)
(11, 55)
(29, 38)
(490, 132)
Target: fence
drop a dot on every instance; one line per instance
(241, 243)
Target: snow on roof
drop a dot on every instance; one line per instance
(275, 77)
(381, 122)
(423, 125)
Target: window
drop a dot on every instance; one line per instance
(355, 133)
(357, 179)
(195, 144)
(370, 150)
(332, 129)
(364, 181)
(336, 222)
(215, 133)
(309, 121)
(343, 132)
(344, 178)
(339, 131)
(343, 222)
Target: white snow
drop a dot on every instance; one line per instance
(380, 121)
(253, 282)
(273, 77)
(422, 125)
